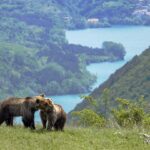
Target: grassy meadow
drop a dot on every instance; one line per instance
(19, 138)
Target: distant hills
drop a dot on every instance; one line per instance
(129, 82)
(104, 13)
(35, 56)
(78, 14)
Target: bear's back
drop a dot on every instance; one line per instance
(12, 100)
(59, 110)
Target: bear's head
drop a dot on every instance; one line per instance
(49, 105)
(40, 101)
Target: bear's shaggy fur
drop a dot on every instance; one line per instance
(54, 115)
(25, 107)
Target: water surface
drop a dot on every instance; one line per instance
(134, 38)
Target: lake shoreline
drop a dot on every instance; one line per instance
(126, 35)
(112, 26)
(135, 39)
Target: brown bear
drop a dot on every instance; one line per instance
(25, 107)
(54, 115)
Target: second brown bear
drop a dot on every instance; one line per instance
(54, 116)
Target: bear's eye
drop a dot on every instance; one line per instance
(37, 101)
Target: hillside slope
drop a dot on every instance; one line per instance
(35, 56)
(129, 82)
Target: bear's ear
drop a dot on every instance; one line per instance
(28, 97)
(50, 101)
(42, 95)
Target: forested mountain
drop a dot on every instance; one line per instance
(34, 54)
(129, 82)
(96, 13)
(28, 22)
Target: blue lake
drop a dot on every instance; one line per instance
(134, 38)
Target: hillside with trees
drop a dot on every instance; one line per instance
(35, 56)
(102, 13)
(131, 82)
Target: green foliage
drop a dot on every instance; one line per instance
(90, 100)
(128, 113)
(125, 113)
(146, 121)
(116, 48)
(106, 102)
(114, 11)
(25, 73)
(129, 82)
(89, 118)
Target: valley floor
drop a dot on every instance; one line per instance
(18, 138)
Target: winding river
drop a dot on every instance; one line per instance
(134, 38)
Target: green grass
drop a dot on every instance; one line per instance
(18, 138)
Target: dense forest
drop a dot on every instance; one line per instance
(102, 13)
(34, 53)
(35, 56)
(131, 82)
